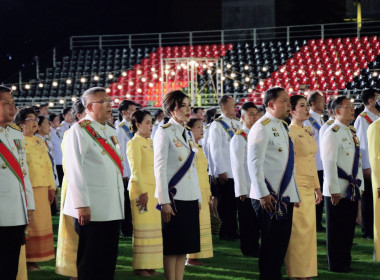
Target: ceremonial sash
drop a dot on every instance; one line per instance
(352, 189)
(126, 129)
(314, 123)
(368, 119)
(227, 128)
(281, 209)
(13, 165)
(244, 135)
(178, 177)
(106, 147)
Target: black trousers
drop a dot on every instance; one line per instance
(60, 174)
(227, 209)
(97, 250)
(319, 207)
(126, 227)
(340, 221)
(10, 245)
(249, 228)
(367, 208)
(275, 235)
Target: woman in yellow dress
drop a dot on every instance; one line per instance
(301, 257)
(146, 219)
(40, 245)
(201, 163)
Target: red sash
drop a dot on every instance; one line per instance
(13, 165)
(106, 147)
(244, 135)
(368, 119)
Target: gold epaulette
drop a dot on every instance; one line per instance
(239, 132)
(14, 126)
(363, 114)
(330, 122)
(336, 128)
(188, 127)
(266, 121)
(219, 119)
(121, 124)
(352, 128)
(156, 124)
(284, 122)
(84, 123)
(236, 119)
(166, 125)
(61, 124)
(207, 126)
(111, 125)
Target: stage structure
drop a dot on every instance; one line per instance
(197, 76)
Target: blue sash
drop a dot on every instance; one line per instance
(177, 177)
(314, 123)
(227, 128)
(281, 209)
(126, 129)
(352, 190)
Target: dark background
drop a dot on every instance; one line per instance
(31, 28)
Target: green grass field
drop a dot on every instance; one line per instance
(228, 263)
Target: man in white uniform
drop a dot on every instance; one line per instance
(221, 132)
(68, 120)
(124, 134)
(248, 221)
(362, 122)
(95, 191)
(271, 169)
(316, 102)
(16, 196)
(343, 182)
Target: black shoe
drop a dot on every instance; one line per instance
(321, 228)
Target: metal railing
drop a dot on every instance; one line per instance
(283, 33)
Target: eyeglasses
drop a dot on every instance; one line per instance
(32, 119)
(348, 107)
(104, 101)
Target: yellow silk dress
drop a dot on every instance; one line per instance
(67, 244)
(40, 246)
(301, 257)
(22, 273)
(147, 233)
(373, 134)
(204, 214)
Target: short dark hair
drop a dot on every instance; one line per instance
(77, 108)
(65, 111)
(210, 114)
(196, 109)
(329, 104)
(367, 94)
(157, 113)
(40, 120)
(23, 113)
(4, 89)
(272, 94)
(173, 99)
(138, 117)
(312, 97)
(192, 122)
(337, 102)
(43, 105)
(124, 105)
(294, 100)
(90, 91)
(52, 117)
(247, 105)
(223, 100)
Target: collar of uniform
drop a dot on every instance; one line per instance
(372, 116)
(273, 118)
(224, 117)
(96, 125)
(315, 115)
(177, 125)
(42, 137)
(245, 129)
(126, 122)
(140, 138)
(341, 124)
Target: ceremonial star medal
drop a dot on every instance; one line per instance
(356, 140)
(177, 143)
